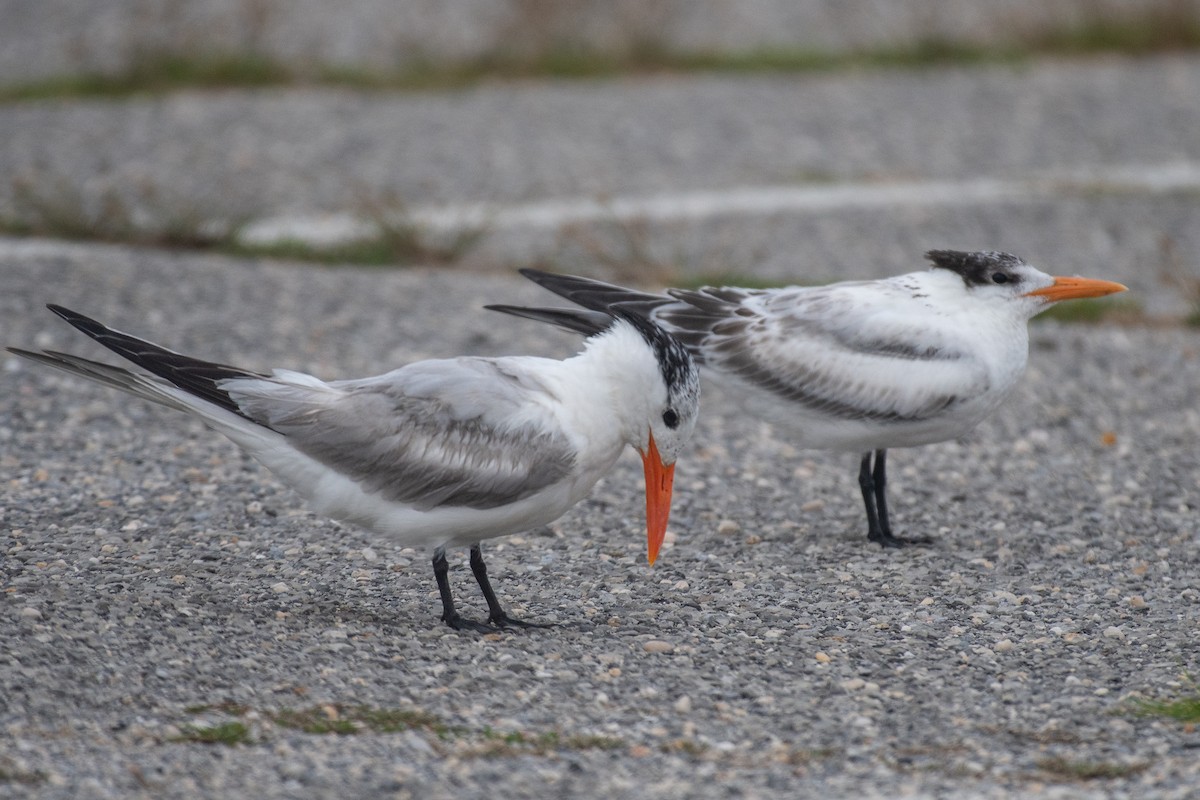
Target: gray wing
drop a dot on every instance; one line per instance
(432, 434)
(841, 351)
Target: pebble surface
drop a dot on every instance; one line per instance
(156, 582)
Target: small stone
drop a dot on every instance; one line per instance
(31, 613)
(928, 601)
(1137, 601)
(683, 705)
(854, 684)
(813, 505)
(369, 554)
(1113, 632)
(658, 646)
(728, 526)
(279, 588)
(1004, 646)
(822, 657)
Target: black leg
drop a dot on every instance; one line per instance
(874, 490)
(496, 613)
(449, 615)
(879, 478)
(866, 482)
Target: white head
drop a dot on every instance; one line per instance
(1005, 277)
(661, 415)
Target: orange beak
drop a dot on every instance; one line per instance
(1076, 289)
(659, 479)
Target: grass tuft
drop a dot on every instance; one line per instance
(155, 73)
(1185, 709)
(315, 720)
(372, 252)
(1088, 770)
(226, 733)
(45, 205)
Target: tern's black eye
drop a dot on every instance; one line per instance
(1000, 277)
(671, 419)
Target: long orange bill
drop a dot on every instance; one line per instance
(659, 479)
(1076, 289)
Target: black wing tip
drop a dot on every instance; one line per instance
(80, 322)
(503, 309)
(579, 320)
(549, 280)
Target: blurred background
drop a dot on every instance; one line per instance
(653, 141)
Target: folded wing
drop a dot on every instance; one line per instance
(842, 354)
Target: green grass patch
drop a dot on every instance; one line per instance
(315, 720)
(1185, 709)
(158, 74)
(54, 207)
(393, 720)
(349, 720)
(1100, 309)
(226, 733)
(344, 720)
(1163, 28)
(1088, 770)
(373, 252)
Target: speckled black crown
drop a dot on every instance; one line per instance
(679, 370)
(975, 268)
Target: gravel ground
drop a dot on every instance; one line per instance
(156, 579)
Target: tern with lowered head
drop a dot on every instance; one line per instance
(443, 452)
